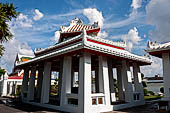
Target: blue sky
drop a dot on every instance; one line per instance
(39, 21)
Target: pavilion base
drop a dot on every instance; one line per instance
(128, 105)
(73, 108)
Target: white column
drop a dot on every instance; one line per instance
(60, 78)
(24, 86)
(84, 93)
(66, 80)
(111, 80)
(97, 79)
(120, 84)
(39, 82)
(127, 79)
(31, 87)
(166, 75)
(5, 85)
(46, 83)
(100, 75)
(103, 67)
(138, 80)
(10, 88)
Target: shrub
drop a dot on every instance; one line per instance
(162, 89)
(144, 84)
(151, 92)
(145, 91)
(18, 90)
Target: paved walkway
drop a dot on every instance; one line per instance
(13, 106)
(150, 107)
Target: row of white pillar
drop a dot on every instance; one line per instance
(84, 90)
(166, 75)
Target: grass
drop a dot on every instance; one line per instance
(152, 97)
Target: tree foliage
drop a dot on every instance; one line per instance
(162, 89)
(145, 91)
(2, 72)
(7, 12)
(144, 84)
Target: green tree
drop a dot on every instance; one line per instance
(2, 71)
(162, 89)
(144, 84)
(7, 12)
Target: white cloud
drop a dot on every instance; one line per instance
(11, 49)
(132, 17)
(154, 68)
(94, 16)
(158, 15)
(38, 15)
(103, 34)
(136, 4)
(25, 49)
(22, 21)
(56, 36)
(132, 38)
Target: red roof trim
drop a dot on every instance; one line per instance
(15, 77)
(105, 44)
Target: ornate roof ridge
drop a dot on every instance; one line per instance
(77, 25)
(154, 46)
(37, 50)
(115, 43)
(118, 52)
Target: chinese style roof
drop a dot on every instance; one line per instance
(157, 49)
(84, 42)
(76, 27)
(23, 58)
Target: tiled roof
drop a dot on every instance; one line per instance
(91, 45)
(154, 46)
(77, 25)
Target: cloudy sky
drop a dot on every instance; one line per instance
(134, 21)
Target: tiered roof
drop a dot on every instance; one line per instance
(76, 27)
(89, 43)
(157, 49)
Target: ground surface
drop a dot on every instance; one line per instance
(13, 106)
(150, 107)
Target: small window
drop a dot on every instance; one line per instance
(100, 100)
(94, 102)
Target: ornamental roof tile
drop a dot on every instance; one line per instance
(77, 25)
(154, 46)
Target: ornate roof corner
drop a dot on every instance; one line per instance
(76, 21)
(152, 45)
(62, 28)
(147, 56)
(36, 50)
(124, 43)
(96, 24)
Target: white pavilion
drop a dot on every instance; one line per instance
(85, 64)
(162, 51)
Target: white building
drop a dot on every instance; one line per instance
(162, 51)
(78, 54)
